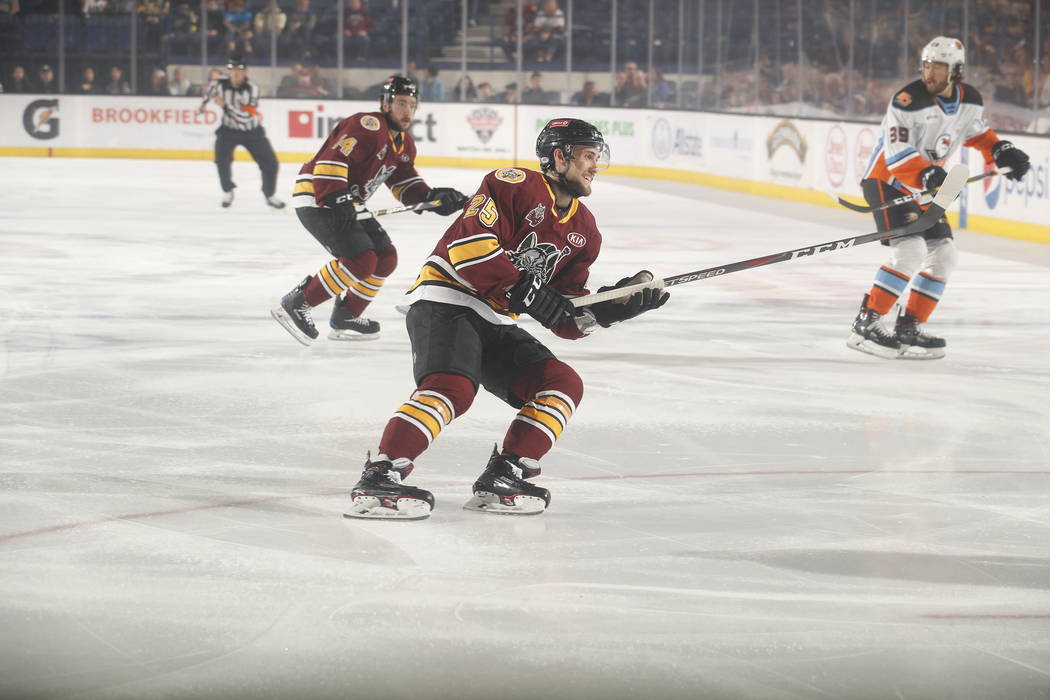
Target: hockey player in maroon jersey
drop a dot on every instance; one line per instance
(524, 244)
(925, 123)
(364, 151)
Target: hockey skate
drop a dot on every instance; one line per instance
(502, 488)
(293, 314)
(915, 343)
(227, 199)
(347, 327)
(870, 334)
(380, 495)
(274, 202)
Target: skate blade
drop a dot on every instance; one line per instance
(860, 343)
(914, 352)
(352, 336)
(286, 322)
(369, 508)
(490, 503)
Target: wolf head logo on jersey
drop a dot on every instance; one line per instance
(535, 217)
(537, 258)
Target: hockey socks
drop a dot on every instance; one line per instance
(433, 405)
(555, 390)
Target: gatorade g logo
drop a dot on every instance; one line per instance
(41, 119)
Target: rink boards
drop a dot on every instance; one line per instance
(797, 159)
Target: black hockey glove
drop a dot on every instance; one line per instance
(452, 200)
(538, 299)
(932, 177)
(343, 209)
(613, 311)
(1008, 155)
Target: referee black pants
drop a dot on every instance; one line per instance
(226, 140)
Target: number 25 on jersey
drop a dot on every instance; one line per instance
(484, 208)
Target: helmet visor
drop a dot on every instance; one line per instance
(598, 151)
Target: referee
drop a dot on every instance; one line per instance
(238, 98)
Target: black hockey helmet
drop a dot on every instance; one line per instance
(564, 134)
(236, 61)
(397, 85)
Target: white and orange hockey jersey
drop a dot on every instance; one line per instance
(920, 130)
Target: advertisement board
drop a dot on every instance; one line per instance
(774, 156)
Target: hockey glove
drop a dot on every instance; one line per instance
(452, 200)
(538, 299)
(344, 209)
(932, 177)
(1007, 155)
(613, 311)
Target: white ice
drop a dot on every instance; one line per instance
(742, 506)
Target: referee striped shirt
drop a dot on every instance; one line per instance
(241, 111)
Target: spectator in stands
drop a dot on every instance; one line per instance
(291, 80)
(117, 85)
(509, 95)
(18, 82)
(87, 82)
(547, 38)
(179, 84)
(298, 34)
(300, 86)
(215, 21)
(431, 89)
(534, 94)
(486, 93)
(46, 80)
(214, 76)
(663, 89)
(158, 84)
(269, 23)
(510, 27)
(95, 7)
(464, 91)
(632, 92)
(411, 73)
(154, 15)
(9, 7)
(589, 96)
(358, 28)
(238, 23)
(317, 81)
(183, 25)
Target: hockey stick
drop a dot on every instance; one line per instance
(912, 197)
(420, 206)
(953, 184)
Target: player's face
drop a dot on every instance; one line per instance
(402, 111)
(582, 169)
(935, 76)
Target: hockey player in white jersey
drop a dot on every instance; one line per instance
(925, 123)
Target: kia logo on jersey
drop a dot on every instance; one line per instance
(40, 119)
(576, 239)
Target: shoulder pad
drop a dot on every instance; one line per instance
(970, 95)
(912, 97)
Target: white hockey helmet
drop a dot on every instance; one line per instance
(945, 49)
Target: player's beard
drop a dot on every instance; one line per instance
(577, 188)
(936, 88)
(394, 124)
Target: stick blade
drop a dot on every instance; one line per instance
(952, 186)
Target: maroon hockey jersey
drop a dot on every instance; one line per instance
(510, 225)
(361, 154)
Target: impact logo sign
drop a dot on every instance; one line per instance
(667, 141)
(484, 121)
(303, 124)
(40, 119)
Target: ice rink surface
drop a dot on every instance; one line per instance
(742, 507)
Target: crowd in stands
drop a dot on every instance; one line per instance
(852, 54)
